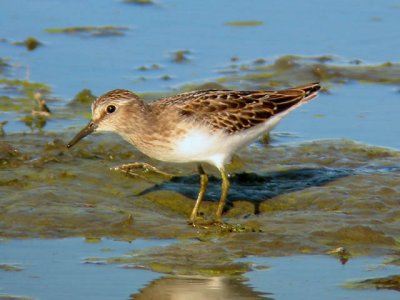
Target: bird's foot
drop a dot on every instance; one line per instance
(136, 169)
(207, 224)
(222, 227)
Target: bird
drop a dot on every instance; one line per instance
(205, 126)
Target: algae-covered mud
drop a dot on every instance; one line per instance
(278, 196)
(321, 68)
(314, 205)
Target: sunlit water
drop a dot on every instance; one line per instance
(366, 30)
(56, 269)
(319, 277)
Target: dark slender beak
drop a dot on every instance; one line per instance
(89, 128)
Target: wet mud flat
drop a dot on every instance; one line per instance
(306, 198)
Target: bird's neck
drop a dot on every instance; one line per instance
(139, 123)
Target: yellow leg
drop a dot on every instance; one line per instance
(224, 193)
(203, 187)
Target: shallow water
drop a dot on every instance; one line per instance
(328, 179)
(58, 269)
(358, 30)
(55, 269)
(316, 277)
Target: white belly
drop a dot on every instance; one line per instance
(203, 146)
(216, 147)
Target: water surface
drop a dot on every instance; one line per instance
(56, 269)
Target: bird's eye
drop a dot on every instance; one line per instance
(110, 109)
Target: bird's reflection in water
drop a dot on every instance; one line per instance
(198, 288)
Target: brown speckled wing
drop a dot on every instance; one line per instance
(235, 111)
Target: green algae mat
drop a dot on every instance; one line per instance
(305, 198)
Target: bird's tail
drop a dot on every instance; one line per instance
(309, 89)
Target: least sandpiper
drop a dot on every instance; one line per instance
(201, 126)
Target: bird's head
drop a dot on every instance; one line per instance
(109, 113)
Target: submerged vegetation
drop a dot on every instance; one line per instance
(24, 87)
(30, 43)
(10, 268)
(244, 23)
(83, 98)
(3, 65)
(91, 30)
(180, 56)
(388, 283)
(19, 95)
(289, 69)
(2, 131)
(141, 2)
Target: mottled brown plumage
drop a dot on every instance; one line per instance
(234, 111)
